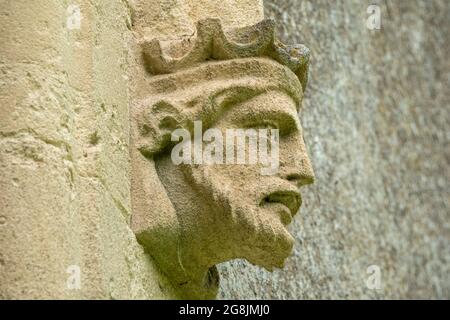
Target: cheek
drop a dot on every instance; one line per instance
(239, 183)
(291, 148)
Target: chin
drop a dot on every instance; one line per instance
(272, 254)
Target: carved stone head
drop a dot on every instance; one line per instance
(190, 217)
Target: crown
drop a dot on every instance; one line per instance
(211, 43)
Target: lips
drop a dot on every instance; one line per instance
(289, 199)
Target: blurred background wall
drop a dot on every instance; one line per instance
(376, 121)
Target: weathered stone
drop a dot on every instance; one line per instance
(193, 216)
(64, 160)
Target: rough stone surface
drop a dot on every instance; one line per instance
(375, 118)
(64, 162)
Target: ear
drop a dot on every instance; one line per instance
(156, 122)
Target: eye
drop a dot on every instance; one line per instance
(263, 124)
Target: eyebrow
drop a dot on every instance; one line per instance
(286, 122)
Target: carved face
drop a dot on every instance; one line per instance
(190, 217)
(232, 210)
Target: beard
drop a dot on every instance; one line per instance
(263, 239)
(255, 232)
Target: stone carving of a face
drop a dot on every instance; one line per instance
(193, 216)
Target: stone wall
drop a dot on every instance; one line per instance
(64, 165)
(375, 117)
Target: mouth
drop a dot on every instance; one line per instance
(288, 202)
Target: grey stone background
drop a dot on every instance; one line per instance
(376, 118)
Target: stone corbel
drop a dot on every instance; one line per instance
(200, 78)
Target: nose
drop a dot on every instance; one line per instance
(301, 175)
(296, 167)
